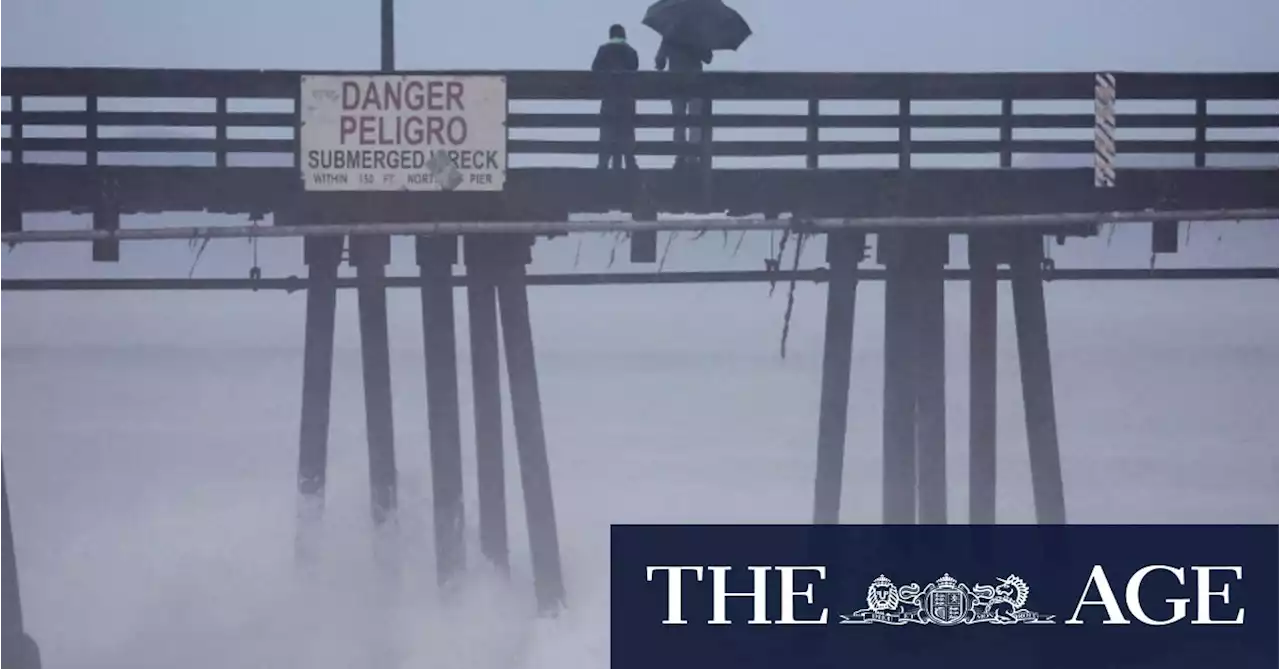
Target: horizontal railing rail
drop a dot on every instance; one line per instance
(570, 85)
(1209, 115)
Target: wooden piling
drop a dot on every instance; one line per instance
(982, 380)
(929, 256)
(486, 388)
(531, 447)
(19, 649)
(1037, 379)
(370, 255)
(844, 251)
(436, 256)
(322, 256)
(899, 483)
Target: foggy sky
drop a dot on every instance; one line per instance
(819, 35)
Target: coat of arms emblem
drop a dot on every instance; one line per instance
(946, 602)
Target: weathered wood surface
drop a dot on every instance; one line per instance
(229, 146)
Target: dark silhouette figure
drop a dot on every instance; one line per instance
(617, 104)
(678, 57)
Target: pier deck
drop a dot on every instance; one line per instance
(862, 145)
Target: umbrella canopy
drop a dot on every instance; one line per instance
(706, 24)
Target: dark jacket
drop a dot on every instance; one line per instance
(616, 56)
(681, 58)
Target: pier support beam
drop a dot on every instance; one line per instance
(436, 256)
(1037, 378)
(486, 388)
(982, 380)
(20, 650)
(899, 485)
(322, 255)
(929, 255)
(844, 252)
(526, 409)
(370, 256)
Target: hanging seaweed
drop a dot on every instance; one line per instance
(742, 236)
(204, 243)
(613, 250)
(791, 291)
(775, 263)
(667, 249)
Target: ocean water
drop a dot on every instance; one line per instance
(150, 445)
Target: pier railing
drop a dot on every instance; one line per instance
(240, 118)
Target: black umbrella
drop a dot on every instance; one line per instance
(707, 24)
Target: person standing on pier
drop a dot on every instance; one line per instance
(691, 30)
(678, 57)
(617, 104)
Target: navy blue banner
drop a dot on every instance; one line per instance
(1084, 596)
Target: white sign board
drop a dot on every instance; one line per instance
(403, 132)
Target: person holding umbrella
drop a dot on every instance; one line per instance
(691, 30)
(617, 105)
(684, 58)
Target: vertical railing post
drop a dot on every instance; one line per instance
(811, 136)
(10, 204)
(220, 132)
(106, 213)
(1202, 132)
(15, 130)
(904, 134)
(1006, 133)
(1104, 130)
(706, 148)
(91, 130)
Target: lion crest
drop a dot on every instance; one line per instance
(882, 595)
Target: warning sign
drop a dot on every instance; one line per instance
(403, 132)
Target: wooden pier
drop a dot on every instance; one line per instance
(224, 154)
